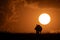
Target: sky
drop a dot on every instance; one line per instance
(21, 16)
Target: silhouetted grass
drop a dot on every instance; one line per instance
(29, 36)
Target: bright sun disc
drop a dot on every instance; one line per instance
(44, 18)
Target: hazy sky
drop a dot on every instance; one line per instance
(21, 16)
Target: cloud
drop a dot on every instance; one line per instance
(45, 3)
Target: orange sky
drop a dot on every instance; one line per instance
(24, 16)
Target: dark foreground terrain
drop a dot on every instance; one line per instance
(28, 36)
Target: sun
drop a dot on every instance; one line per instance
(44, 18)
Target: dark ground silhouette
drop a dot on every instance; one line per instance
(28, 36)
